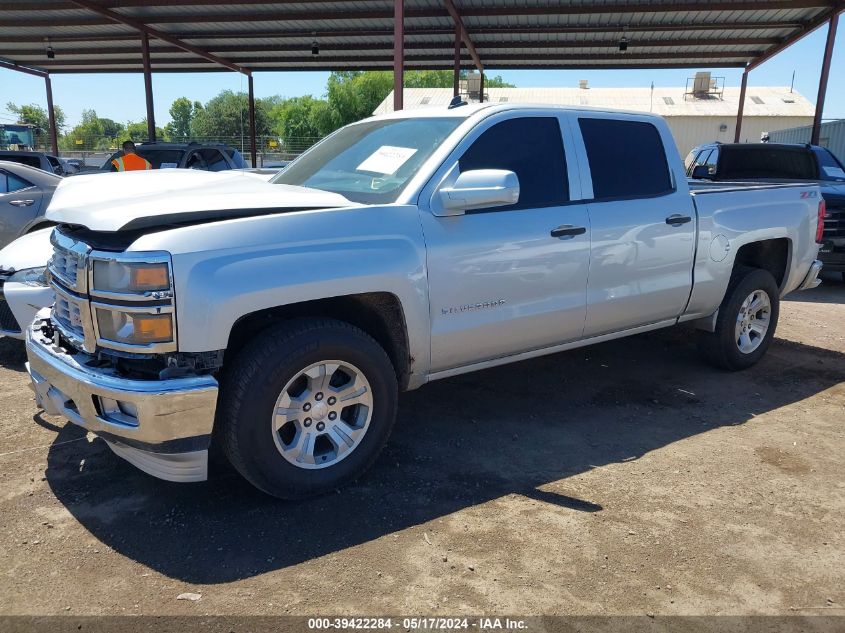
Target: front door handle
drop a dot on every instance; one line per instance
(676, 219)
(568, 230)
(22, 203)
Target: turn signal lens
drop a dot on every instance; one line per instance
(152, 277)
(134, 328)
(820, 227)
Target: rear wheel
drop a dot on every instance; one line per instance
(306, 407)
(746, 323)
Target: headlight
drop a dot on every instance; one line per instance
(30, 277)
(136, 278)
(134, 328)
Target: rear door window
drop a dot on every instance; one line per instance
(532, 148)
(626, 158)
(32, 161)
(765, 161)
(9, 183)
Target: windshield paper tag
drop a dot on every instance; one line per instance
(168, 165)
(834, 172)
(386, 159)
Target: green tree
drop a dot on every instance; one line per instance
(300, 121)
(36, 115)
(226, 118)
(181, 114)
(354, 95)
(137, 131)
(444, 79)
(90, 133)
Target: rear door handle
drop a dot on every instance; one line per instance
(677, 219)
(568, 230)
(22, 203)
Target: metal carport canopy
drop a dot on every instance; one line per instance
(255, 35)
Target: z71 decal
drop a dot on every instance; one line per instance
(809, 194)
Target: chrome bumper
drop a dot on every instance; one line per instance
(812, 279)
(162, 427)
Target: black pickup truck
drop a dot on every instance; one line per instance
(778, 162)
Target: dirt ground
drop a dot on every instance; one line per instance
(625, 478)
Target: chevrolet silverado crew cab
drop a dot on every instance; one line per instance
(279, 320)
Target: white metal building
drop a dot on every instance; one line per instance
(692, 120)
(832, 136)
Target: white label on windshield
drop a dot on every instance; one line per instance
(386, 159)
(834, 172)
(168, 165)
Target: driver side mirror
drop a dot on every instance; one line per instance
(702, 172)
(480, 189)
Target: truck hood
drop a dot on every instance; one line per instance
(29, 251)
(163, 197)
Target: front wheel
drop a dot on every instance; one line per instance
(746, 323)
(306, 407)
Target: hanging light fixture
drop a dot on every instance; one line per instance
(51, 54)
(315, 45)
(623, 44)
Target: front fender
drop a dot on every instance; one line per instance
(226, 270)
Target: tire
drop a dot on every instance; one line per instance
(726, 349)
(272, 450)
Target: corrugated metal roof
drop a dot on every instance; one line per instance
(667, 102)
(359, 33)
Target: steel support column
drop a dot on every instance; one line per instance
(253, 149)
(742, 87)
(456, 80)
(481, 88)
(828, 54)
(398, 53)
(148, 87)
(51, 115)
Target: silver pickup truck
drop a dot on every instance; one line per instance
(280, 320)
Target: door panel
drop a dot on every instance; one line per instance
(641, 267)
(642, 221)
(499, 282)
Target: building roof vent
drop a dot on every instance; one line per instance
(668, 101)
(757, 100)
(583, 84)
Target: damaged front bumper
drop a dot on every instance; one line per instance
(162, 427)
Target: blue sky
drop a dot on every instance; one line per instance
(121, 96)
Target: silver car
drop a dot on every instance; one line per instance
(25, 193)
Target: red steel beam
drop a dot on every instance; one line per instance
(459, 24)
(741, 107)
(828, 54)
(253, 145)
(805, 30)
(456, 77)
(23, 69)
(143, 28)
(148, 87)
(398, 54)
(387, 45)
(711, 58)
(51, 115)
(612, 30)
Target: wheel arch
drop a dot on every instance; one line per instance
(773, 255)
(379, 314)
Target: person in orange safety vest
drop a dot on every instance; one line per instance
(130, 161)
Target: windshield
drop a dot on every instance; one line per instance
(829, 166)
(369, 162)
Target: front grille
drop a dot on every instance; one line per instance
(7, 319)
(68, 313)
(834, 223)
(68, 261)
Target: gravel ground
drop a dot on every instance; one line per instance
(625, 478)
